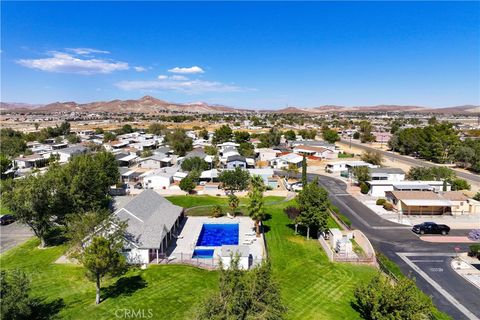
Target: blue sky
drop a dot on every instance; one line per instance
(250, 54)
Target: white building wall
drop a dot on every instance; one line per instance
(136, 256)
(379, 191)
(150, 164)
(156, 182)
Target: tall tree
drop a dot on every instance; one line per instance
(233, 202)
(366, 129)
(194, 163)
(373, 157)
(304, 170)
(290, 135)
(102, 257)
(244, 295)
(222, 134)
(329, 135)
(361, 174)
(241, 136)
(31, 201)
(234, 180)
(179, 141)
(255, 208)
(313, 203)
(15, 302)
(382, 299)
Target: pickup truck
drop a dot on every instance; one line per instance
(431, 227)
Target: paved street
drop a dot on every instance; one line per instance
(12, 235)
(450, 292)
(415, 162)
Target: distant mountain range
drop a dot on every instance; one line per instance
(150, 105)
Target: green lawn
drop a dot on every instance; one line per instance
(172, 291)
(311, 287)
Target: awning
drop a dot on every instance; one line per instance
(128, 158)
(427, 203)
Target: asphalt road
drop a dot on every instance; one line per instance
(12, 235)
(413, 162)
(393, 239)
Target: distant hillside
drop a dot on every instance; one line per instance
(149, 105)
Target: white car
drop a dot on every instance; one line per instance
(297, 186)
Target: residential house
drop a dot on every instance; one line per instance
(265, 173)
(156, 161)
(266, 154)
(30, 161)
(377, 188)
(418, 202)
(236, 161)
(460, 203)
(67, 154)
(156, 179)
(227, 147)
(152, 223)
(390, 174)
(283, 161)
(319, 152)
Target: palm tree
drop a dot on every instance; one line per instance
(233, 202)
(255, 207)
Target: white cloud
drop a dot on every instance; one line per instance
(140, 69)
(188, 86)
(162, 77)
(185, 70)
(178, 78)
(62, 62)
(83, 51)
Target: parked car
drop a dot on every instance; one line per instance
(6, 219)
(431, 227)
(297, 186)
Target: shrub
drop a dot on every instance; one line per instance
(380, 202)
(388, 206)
(474, 235)
(217, 211)
(292, 212)
(334, 209)
(364, 188)
(474, 251)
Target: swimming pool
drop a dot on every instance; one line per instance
(203, 253)
(215, 235)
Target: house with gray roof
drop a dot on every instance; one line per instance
(152, 223)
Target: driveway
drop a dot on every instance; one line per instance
(13, 235)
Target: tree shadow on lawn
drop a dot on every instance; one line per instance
(42, 310)
(302, 231)
(56, 236)
(124, 286)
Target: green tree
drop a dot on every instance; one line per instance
(211, 150)
(241, 136)
(313, 204)
(233, 202)
(194, 163)
(31, 202)
(5, 165)
(244, 295)
(431, 173)
(290, 135)
(361, 174)
(203, 134)
(102, 257)
(179, 141)
(366, 129)
(304, 170)
(12, 142)
(234, 180)
(382, 299)
(15, 302)
(222, 134)
(187, 184)
(329, 135)
(255, 208)
(109, 136)
(157, 129)
(99, 130)
(246, 149)
(79, 226)
(308, 133)
(460, 184)
(477, 196)
(373, 157)
(73, 138)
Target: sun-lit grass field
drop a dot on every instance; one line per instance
(312, 287)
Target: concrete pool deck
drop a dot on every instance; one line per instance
(187, 240)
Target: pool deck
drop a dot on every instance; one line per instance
(186, 242)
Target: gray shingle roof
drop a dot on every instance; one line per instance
(387, 170)
(236, 157)
(150, 217)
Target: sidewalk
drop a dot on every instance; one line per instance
(463, 265)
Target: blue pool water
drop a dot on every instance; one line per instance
(203, 253)
(215, 235)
